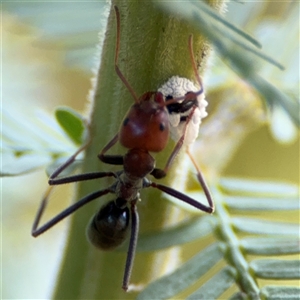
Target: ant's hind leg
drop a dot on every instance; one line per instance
(132, 245)
(37, 231)
(79, 177)
(53, 180)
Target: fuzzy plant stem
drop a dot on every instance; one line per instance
(153, 47)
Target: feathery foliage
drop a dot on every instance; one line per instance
(245, 241)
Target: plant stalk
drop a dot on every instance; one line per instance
(153, 47)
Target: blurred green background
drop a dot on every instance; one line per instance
(48, 50)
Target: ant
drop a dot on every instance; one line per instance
(144, 129)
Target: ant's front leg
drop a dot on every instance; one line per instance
(111, 159)
(53, 180)
(161, 173)
(69, 161)
(180, 196)
(202, 182)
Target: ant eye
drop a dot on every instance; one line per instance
(125, 122)
(162, 126)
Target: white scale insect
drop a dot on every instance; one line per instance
(185, 117)
(177, 87)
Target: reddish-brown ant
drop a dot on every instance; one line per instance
(144, 129)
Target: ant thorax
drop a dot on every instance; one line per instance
(177, 87)
(127, 188)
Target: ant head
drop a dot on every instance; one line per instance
(146, 124)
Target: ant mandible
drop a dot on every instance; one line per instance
(144, 129)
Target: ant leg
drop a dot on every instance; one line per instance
(202, 181)
(53, 181)
(183, 197)
(37, 231)
(69, 161)
(111, 159)
(56, 181)
(117, 69)
(159, 173)
(132, 245)
(80, 177)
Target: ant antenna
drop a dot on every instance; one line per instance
(194, 64)
(117, 69)
(118, 34)
(185, 97)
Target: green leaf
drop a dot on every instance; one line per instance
(200, 14)
(276, 269)
(232, 48)
(20, 131)
(189, 9)
(261, 204)
(174, 236)
(31, 143)
(280, 292)
(17, 165)
(239, 296)
(77, 278)
(281, 126)
(203, 7)
(258, 226)
(259, 187)
(58, 162)
(72, 123)
(169, 285)
(215, 286)
(271, 245)
(67, 25)
(274, 96)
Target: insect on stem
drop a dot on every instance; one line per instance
(144, 129)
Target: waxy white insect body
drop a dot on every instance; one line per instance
(177, 87)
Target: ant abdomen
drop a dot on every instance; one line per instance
(108, 227)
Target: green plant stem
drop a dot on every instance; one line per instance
(154, 47)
